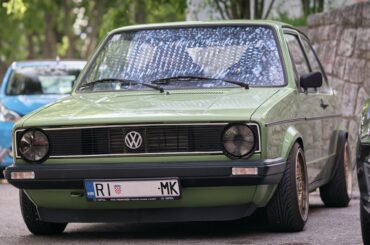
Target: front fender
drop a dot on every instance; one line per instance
(291, 136)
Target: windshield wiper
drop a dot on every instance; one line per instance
(187, 78)
(109, 80)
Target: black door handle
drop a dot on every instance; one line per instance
(323, 104)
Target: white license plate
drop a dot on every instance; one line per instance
(105, 190)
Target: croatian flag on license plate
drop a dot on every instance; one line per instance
(117, 189)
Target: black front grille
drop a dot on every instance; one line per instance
(156, 139)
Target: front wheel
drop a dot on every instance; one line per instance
(31, 218)
(288, 208)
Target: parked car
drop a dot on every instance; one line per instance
(363, 172)
(26, 87)
(186, 122)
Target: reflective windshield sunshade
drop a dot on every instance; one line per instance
(240, 53)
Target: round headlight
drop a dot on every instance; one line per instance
(33, 146)
(238, 140)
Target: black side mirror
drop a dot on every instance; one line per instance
(311, 80)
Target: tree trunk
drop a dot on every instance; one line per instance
(50, 43)
(234, 9)
(305, 7)
(140, 12)
(30, 46)
(245, 9)
(97, 11)
(258, 9)
(321, 6)
(68, 31)
(268, 11)
(3, 68)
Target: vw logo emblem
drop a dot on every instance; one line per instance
(133, 140)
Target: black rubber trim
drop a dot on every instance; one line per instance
(191, 174)
(301, 119)
(146, 215)
(340, 148)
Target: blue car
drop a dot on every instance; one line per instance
(27, 86)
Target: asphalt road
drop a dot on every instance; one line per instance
(325, 226)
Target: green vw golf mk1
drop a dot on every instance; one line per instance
(191, 121)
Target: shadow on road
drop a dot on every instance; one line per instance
(255, 225)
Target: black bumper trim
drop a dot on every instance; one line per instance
(152, 215)
(191, 174)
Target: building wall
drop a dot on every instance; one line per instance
(342, 40)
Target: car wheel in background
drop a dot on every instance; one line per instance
(288, 208)
(338, 192)
(31, 218)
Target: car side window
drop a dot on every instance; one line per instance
(297, 56)
(315, 65)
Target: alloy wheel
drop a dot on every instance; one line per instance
(301, 184)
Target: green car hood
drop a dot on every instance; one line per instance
(142, 107)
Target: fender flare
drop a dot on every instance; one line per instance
(292, 135)
(341, 140)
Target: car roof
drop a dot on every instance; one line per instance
(36, 63)
(272, 23)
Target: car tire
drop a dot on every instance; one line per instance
(31, 218)
(365, 224)
(338, 192)
(288, 209)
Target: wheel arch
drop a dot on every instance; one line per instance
(292, 135)
(342, 137)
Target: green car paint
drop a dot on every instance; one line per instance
(364, 136)
(285, 115)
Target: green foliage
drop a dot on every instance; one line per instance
(118, 14)
(43, 29)
(62, 47)
(165, 10)
(283, 17)
(15, 7)
(12, 41)
(122, 13)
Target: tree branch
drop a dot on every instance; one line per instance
(269, 9)
(220, 10)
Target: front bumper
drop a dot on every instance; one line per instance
(190, 174)
(146, 215)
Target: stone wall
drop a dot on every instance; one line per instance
(342, 41)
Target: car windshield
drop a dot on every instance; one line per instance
(200, 57)
(42, 80)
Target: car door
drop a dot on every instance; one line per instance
(310, 110)
(330, 117)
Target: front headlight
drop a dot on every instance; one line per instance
(33, 146)
(8, 115)
(238, 140)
